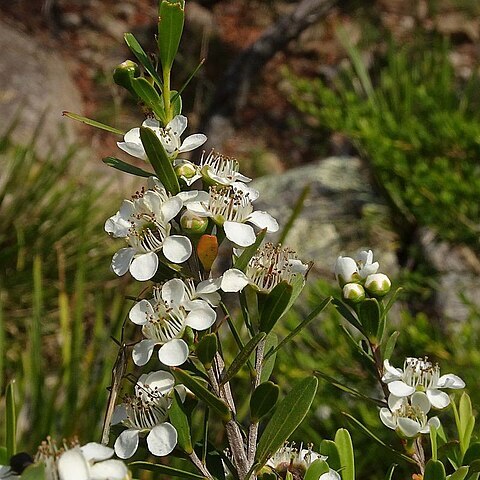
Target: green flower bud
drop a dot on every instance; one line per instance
(192, 223)
(377, 285)
(123, 74)
(353, 293)
(186, 170)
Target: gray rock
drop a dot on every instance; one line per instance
(35, 81)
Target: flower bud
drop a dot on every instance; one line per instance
(346, 270)
(192, 223)
(353, 293)
(186, 170)
(377, 284)
(123, 74)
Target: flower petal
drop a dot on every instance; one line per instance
(400, 389)
(192, 142)
(142, 352)
(239, 233)
(119, 414)
(330, 475)
(160, 381)
(437, 398)
(171, 207)
(134, 149)
(173, 353)
(387, 418)
(144, 266)
(162, 439)
(208, 286)
(450, 381)
(178, 125)
(173, 292)
(109, 470)
(420, 400)
(140, 312)
(395, 402)
(391, 373)
(177, 248)
(201, 318)
(96, 452)
(126, 444)
(121, 260)
(263, 220)
(72, 465)
(410, 428)
(234, 280)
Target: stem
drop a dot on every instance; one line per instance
(253, 429)
(419, 455)
(166, 95)
(203, 469)
(379, 368)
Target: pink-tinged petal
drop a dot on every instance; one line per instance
(438, 399)
(109, 469)
(395, 402)
(171, 207)
(410, 428)
(142, 352)
(177, 125)
(420, 400)
(201, 318)
(450, 381)
(72, 465)
(234, 280)
(400, 389)
(263, 220)
(162, 439)
(239, 233)
(160, 381)
(96, 452)
(177, 248)
(140, 312)
(121, 260)
(144, 266)
(134, 149)
(173, 292)
(173, 353)
(126, 444)
(119, 414)
(387, 418)
(192, 142)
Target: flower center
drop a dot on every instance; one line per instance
(147, 409)
(414, 413)
(223, 166)
(420, 373)
(227, 204)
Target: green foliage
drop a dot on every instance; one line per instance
(419, 128)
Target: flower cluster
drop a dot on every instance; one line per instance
(359, 278)
(413, 392)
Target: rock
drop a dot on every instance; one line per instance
(35, 81)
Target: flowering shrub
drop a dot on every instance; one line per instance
(173, 227)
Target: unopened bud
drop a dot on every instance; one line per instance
(185, 169)
(123, 74)
(377, 284)
(346, 270)
(192, 223)
(353, 293)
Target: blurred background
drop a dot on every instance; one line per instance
(368, 112)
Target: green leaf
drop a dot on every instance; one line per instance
(274, 305)
(329, 449)
(10, 420)
(300, 327)
(206, 349)
(271, 343)
(391, 302)
(34, 472)
(4, 458)
(473, 453)
(460, 474)
(176, 95)
(296, 211)
(177, 104)
(390, 345)
(467, 420)
(170, 28)
(169, 471)
(434, 470)
(316, 468)
(369, 316)
(180, 421)
(142, 57)
(147, 93)
(392, 468)
(92, 123)
(343, 441)
(242, 261)
(202, 393)
(286, 418)
(347, 314)
(126, 167)
(263, 399)
(241, 359)
(159, 159)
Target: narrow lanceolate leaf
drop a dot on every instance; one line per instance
(301, 326)
(126, 167)
(286, 418)
(369, 315)
(34, 472)
(179, 420)
(347, 314)
(316, 469)
(343, 441)
(242, 261)
(206, 349)
(274, 306)
(170, 28)
(159, 159)
(142, 57)
(147, 93)
(390, 345)
(177, 104)
(10, 420)
(459, 474)
(467, 420)
(392, 468)
(263, 400)
(242, 357)
(202, 393)
(169, 471)
(434, 470)
(92, 123)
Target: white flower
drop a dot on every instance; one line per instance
(168, 136)
(377, 284)
(271, 265)
(289, 458)
(330, 475)
(347, 270)
(408, 417)
(231, 208)
(163, 318)
(147, 412)
(7, 473)
(366, 265)
(144, 223)
(420, 375)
